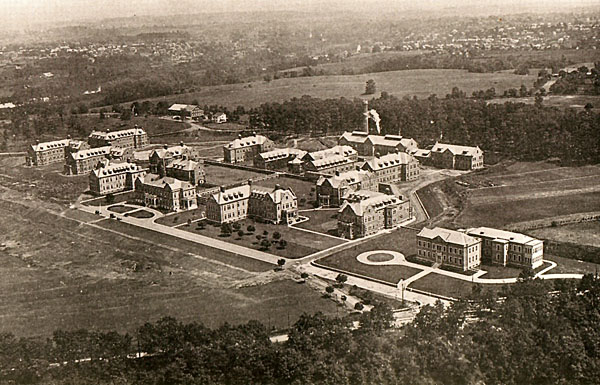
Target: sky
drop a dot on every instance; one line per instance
(23, 14)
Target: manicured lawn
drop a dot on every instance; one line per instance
(141, 214)
(585, 233)
(323, 221)
(447, 286)
(122, 209)
(497, 214)
(187, 246)
(219, 175)
(566, 265)
(181, 217)
(118, 198)
(500, 271)
(299, 243)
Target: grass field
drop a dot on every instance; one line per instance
(586, 233)
(399, 83)
(182, 217)
(218, 175)
(323, 221)
(299, 243)
(566, 265)
(450, 287)
(429, 196)
(58, 273)
(122, 209)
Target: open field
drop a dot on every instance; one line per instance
(566, 265)
(58, 273)
(299, 243)
(219, 175)
(561, 101)
(421, 83)
(323, 221)
(585, 233)
(450, 287)
(182, 217)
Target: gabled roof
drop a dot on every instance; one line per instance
(447, 235)
(330, 161)
(380, 140)
(113, 169)
(345, 151)
(389, 160)
(182, 107)
(173, 151)
(232, 194)
(361, 200)
(355, 136)
(91, 152)
(281, 153)
(420, 153)
(51, 145)
(276, 195)
(351, 177)
(112, 135)
(183, 164)
(246, 142)
(165, 182)
(502, 235)
(456, 149)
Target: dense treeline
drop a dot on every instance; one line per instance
(581, 81)
(534, 332)
(521, 131)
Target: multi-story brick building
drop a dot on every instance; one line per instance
(56, 151)
(84, 161)
(328, 166)
(228, 205)
(393, 168)
(187, 170)
(160, 158)
(366, 212)
(507, 248)
(114, 177)
(456, 157)
(131, 138)
(449, 247)
(369, 145)
(186, 110)
(277, 159)
(165, 193)
(331, 189)
(243, 150)
(277, 205)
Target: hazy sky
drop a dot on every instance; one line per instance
(23, 13)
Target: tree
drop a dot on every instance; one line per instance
(250, 229)
(189, 222)
(370, 87)
(126, 114)
(225, 229)
(341, 278)
(281, 262)
(276, 235)
(304, 275)
(237, 226)
(359, 306)
(282, 244)
(329, 289)
(265, 233)
(265, 244)
(110, 198)
(240, 233)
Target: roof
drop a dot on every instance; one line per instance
(280, 153)
(330, 161)
(361, 200)
(351, 177)
(116, 169)
(345, 151)
(389, 160)
(171, 183)
(173, 151)
(183, 164)
(451, 236)
(456, 149)
(232, 194)
(420, 153)
(111, 135)
(51, 145)
(91, 152)
(380, 140)
(246, 142)
(181, 107)
(275, 194)
(502, 235)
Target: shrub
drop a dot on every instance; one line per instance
(359, 306)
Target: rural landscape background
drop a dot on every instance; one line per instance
(86, 298)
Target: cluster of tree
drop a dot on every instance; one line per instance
(581, 81)
(532, 332)
(516, 130)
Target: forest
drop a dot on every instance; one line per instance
(515, 130)
(533, 332)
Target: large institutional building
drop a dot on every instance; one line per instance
(277, 159)
(277, 205)
(115, 177)
(165, 193)
(331, 189)
(507, 248)
(175, 162)
(366, 212)
(456, 157)
(393, 167)
(84, 161)
(41, 154)
(449, 247)
(243, 150)
(369, 145)
(131, 138)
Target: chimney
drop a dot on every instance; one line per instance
(337, 172)
(37, 141)
(253, 133)
(377, 155)
(249, 182)
(277, 187)
(239, 136)
(68, 136)
(357, 168)
(181, 143)
(222, 188)
(107, 130)
(366, 113)
(165, 146)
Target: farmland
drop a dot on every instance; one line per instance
(60, 273)
(586, 233)
(421, 83)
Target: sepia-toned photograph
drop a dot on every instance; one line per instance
(299, 192)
